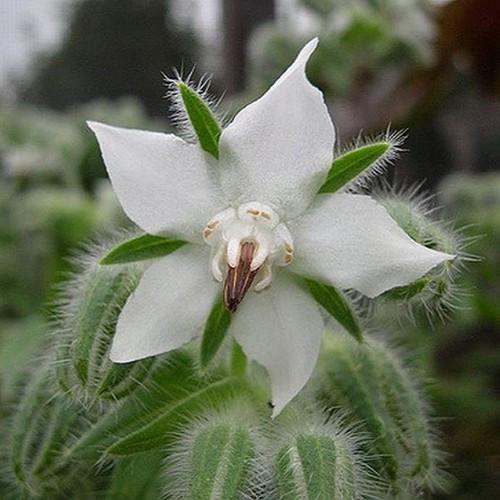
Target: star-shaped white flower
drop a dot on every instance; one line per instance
(253, 219)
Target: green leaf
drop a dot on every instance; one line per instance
(351, 164)
(215, 331)
(153, 428)
(171, 397)
(144, 247)
(337, 305)
(202, 119)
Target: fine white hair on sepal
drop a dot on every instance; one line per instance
(71, 307)
(235, 416)
(352, 469)
(394, 380)
(178, 113)
(419, 215)
(395, 139)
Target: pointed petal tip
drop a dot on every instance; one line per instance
(97, 127)
(442, 257)
(277, 409)
(91, 124)
(128, 354)
(312, 44)
(117, 357)
(307, 50)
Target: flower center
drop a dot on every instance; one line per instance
(246, 243)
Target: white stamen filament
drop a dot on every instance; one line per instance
(251, 222)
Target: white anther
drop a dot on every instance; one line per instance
(264, 278)
(251, 222)
(212, 231)
(284, 243)
(258, 212)
(233, 251)
(264, 240)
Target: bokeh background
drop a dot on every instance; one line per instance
(431, 66)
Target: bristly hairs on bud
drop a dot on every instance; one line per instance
(342, 445)
(250, 463)
(177, 109)
(380, 389)
(439, 293)
(71, 309)
(41, 428)
(394, 139)
(417, 420)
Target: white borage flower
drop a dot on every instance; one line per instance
(252, 218)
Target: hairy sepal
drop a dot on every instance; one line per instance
(144, 247)
(214, 332)
(194, 112)
(321, 458)
(370, 383)
(86, 316)
(355, 166)
(217, 456)
(337, 305)
(41, 428)
(437, 293)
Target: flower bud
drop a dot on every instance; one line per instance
(322, 460)
(216, 458)
(87, 315)
(40, 430)
(437, 291)
(370, 383)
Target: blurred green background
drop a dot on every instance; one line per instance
(432, 66)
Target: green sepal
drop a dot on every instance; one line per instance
(106, 292)
(214, 333)
(40, 428)
(309, 463)
(370, 383)
(144, 247)
(353, 163)
(202, 119)
(221, 456)
(409, 291)
(238, 359)
(336, 305)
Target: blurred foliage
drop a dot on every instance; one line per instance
(53, 197)
(360, 41)
(469, 33)
(113, 48)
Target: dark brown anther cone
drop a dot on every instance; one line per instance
(239, 278)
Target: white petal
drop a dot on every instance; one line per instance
(163, 183)
(168, 308)
(280, 328)
(352, 242)
(279, 148)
